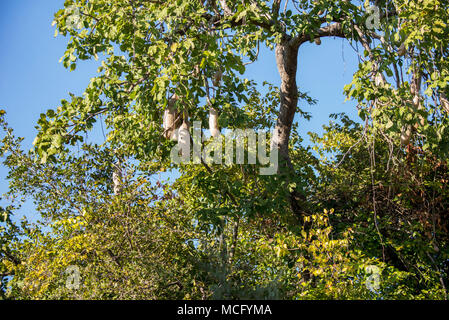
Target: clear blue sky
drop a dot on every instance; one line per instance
(32, 79)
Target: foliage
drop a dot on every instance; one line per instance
(365, 196)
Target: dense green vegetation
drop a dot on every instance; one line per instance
(360, 214)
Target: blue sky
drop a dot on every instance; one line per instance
(32, 79)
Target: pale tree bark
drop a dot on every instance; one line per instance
(287, 63)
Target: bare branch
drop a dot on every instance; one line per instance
(332, 30)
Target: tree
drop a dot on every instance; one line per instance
(183, 61)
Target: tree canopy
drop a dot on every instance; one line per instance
(360, 214)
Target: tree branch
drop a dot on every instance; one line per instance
(332, 30)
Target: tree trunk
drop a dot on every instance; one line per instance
(286, 60)
(287, 63)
